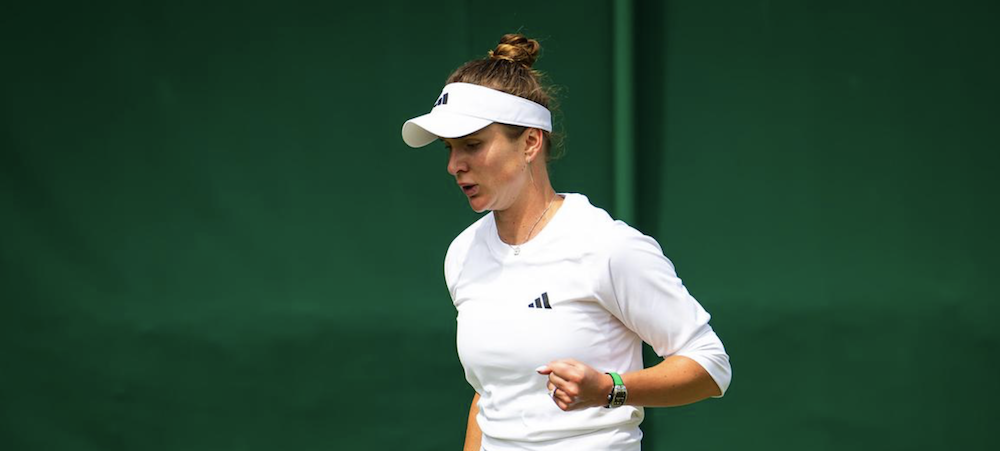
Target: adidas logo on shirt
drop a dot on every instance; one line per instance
(541, 302)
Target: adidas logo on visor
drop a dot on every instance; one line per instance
(443, 100)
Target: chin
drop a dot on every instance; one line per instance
(478, 205)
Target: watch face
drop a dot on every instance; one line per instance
(618, 396)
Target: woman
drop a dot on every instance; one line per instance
(554, 297)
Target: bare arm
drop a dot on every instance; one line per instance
(675, 381)
(473, 435)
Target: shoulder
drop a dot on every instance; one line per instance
(625, 240)
(606, 235)
(617, 252)
(634, 268)
(584, 219)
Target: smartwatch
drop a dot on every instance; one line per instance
(618, 394)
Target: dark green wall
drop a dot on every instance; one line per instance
(824, 177)
(212, 236)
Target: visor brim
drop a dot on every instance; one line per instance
(423, 130)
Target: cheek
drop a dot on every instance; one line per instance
(503, 171)
(513, 180)
(506, 172)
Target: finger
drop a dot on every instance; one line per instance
(567, 363)
(558, 379)
(561, 396)
(556, 366)
(572, 389)
(567, 370)
(561, 366)
(564, 393)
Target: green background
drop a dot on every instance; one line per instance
(212, 236)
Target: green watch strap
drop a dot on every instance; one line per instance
(618, 379)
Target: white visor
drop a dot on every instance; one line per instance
(464, 108)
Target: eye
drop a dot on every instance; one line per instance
(473, 145)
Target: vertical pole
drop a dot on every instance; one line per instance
(624, 142)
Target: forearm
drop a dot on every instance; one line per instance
(473, 435)
(675, 381)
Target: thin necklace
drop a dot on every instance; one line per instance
(517, 247)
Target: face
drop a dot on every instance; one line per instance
(490, 168)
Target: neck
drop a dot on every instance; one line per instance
(529, 214)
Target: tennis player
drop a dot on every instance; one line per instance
(554, 297)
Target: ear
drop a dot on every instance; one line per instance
(534, 141)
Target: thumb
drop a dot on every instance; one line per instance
(544, 369)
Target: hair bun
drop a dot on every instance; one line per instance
(517, 49)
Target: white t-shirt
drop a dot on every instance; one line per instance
(585, 287)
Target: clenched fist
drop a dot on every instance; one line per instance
(574, 385)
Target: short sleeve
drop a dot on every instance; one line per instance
(640, 287)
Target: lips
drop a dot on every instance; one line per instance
(470, 189)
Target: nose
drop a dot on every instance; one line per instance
(456, 163)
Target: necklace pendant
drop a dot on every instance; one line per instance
(517, 250)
